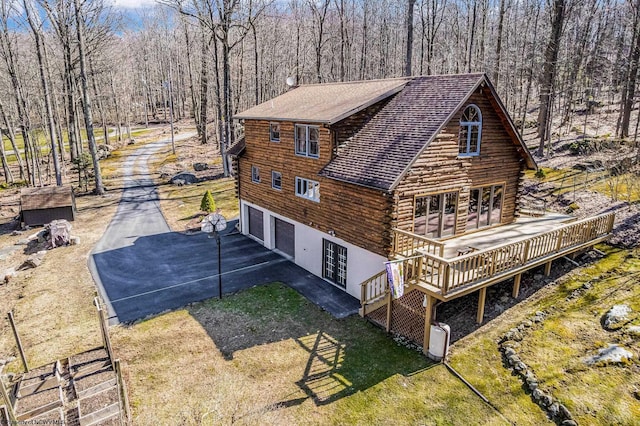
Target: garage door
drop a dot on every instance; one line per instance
(256, 225)
(285, 237)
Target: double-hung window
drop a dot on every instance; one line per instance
(274, 132)
(255, 174)
(470, 131)
(308, 189)
(276, 180)
(307, 140)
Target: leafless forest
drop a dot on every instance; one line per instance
(70, 67)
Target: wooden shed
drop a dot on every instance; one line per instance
(39, 206)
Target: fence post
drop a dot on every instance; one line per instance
(103, 328)
(18, 341)
(525, 254)
(7, 401)
(560, 236)
(123, 390)
(389, 307)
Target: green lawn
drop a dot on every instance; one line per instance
(555, 349)
(268, 356)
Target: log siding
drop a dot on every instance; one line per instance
(440, 168)
(356, 214)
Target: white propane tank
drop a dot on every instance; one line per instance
(439, 341)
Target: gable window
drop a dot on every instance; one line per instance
(485, 206)
(308, 189)
(307, 140)
(255, 174)
(334, 263)
(470, 131)
(276, 180)
(274, 132)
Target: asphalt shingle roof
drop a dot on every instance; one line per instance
(380, 153)
(324, 103)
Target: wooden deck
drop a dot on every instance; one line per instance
(445, 270)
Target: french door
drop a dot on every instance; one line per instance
(435, 215)
(334, 263)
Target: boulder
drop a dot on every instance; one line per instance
(613, 354)
(616, 317)
(634, 330)
(186, 177)
(35, 260)
(199, 167)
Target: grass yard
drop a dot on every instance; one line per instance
(181, 203)
(555, 350)
(268, 356)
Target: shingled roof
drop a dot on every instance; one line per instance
(381, 153)
(324, 103)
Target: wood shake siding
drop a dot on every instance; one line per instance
(358, 215)
(440, 168)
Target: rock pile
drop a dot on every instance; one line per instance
(508, 345)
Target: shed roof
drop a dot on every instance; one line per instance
(46, 197)
(380, 154)
(324, 103)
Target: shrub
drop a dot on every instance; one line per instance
(540, 173)
(208, 204)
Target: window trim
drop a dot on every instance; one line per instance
(273, 185)
(492, 188)
(271, 138)
(303, 194)
(469, 126)
(255, 174)
(307, 145)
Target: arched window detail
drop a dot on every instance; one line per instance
(470, 131)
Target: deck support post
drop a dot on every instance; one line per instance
(482, 297)
(389, 305)
(547, 268)
(427, 323)
(516, 286)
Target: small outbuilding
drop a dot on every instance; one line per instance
(39, 206)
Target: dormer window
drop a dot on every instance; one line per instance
(307, 140)
(470, 131)
(274, 132)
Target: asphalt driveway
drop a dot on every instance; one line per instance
(142, 268)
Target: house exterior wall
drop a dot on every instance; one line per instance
(361, 263)
(353, 213)
(440, 168)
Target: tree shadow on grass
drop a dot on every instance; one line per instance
(343, 356)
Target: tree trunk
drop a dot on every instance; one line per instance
(37, 35)
(204, 88)
(86, 102)
(409, 51)
(630, 88)
(547, 79)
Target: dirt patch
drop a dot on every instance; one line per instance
(98, 401)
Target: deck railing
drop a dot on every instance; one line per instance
(373, 288)
(376, 287)
(407, 244)
(449, 275)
